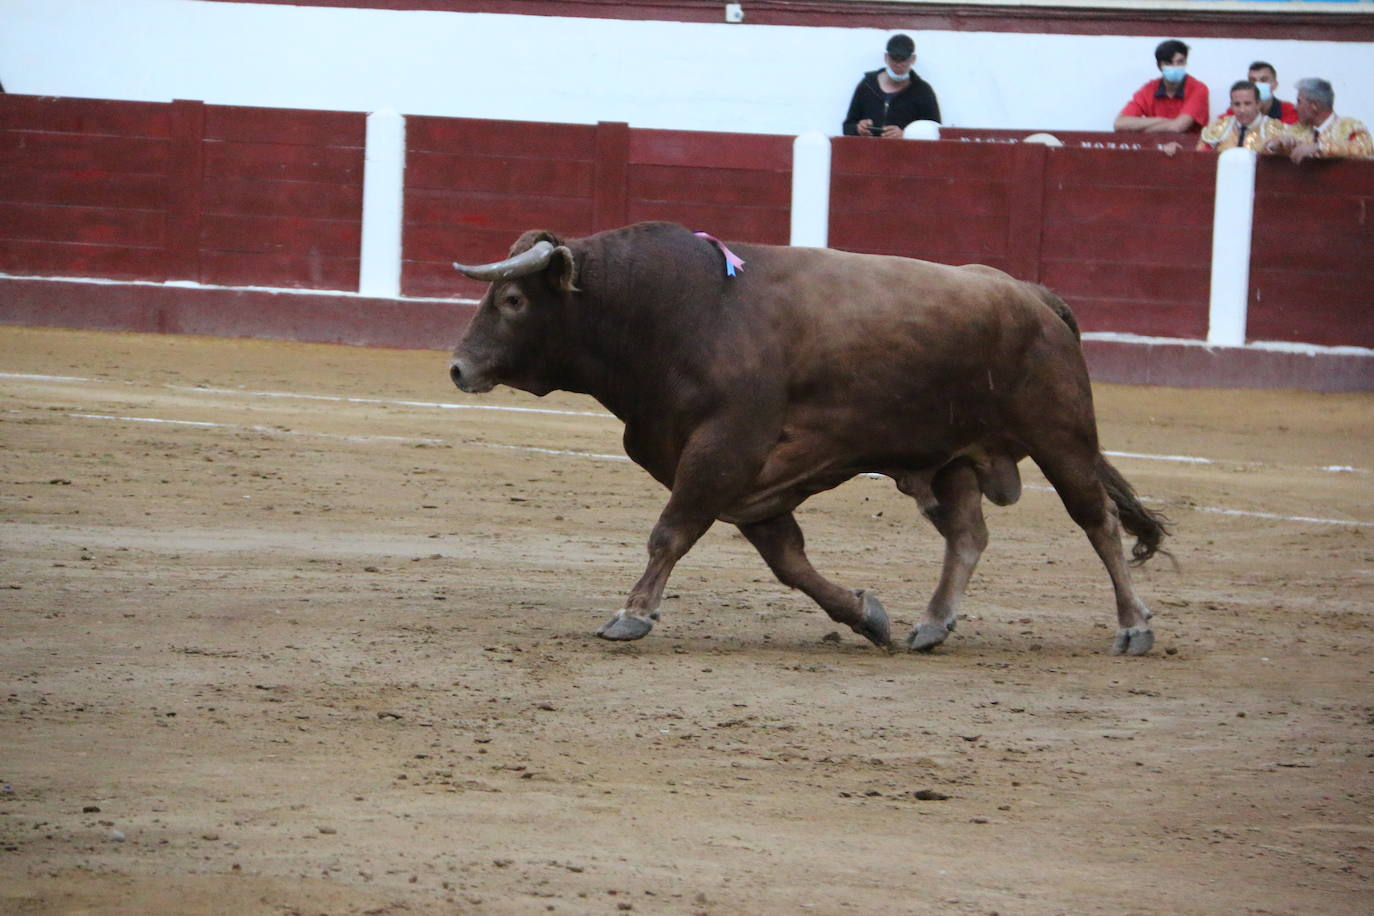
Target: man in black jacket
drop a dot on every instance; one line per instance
(887, 100)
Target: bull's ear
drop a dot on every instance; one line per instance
(563, 265)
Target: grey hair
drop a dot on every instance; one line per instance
(1319, 91)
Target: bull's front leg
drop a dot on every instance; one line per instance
(672, 537)
(716, 466)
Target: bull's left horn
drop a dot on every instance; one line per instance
(534, 259)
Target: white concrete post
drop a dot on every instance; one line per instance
(921, 130)
(1232, 224)
(379, 270)
(811, 190)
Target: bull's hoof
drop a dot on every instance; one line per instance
(1133, 641)
(624, 627)
(874, 626)
(926, 635)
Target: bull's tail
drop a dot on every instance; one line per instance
(1150, 528)
(1060, 308)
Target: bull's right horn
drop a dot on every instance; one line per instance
(532, 260)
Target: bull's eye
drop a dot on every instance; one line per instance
(511, 301)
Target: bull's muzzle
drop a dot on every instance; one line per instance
(466, 380)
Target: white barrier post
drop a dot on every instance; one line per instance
(811, 190)
(1232, 224)
(379, 269)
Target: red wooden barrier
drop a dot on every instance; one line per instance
(1312, 254)
(267, 197)
(1123, 236)
(473, 186)
(1128, 239)
(84, 187)
(734, 186)
(946, 202)
(282, 197)
(186, 191)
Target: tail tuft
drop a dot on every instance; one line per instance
(1150, 528)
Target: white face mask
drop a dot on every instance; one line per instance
(894, 77)
(1266, 92)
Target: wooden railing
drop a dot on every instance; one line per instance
(234, 197)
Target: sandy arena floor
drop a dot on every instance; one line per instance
(312, 643)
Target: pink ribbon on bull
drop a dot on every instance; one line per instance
(733, 262)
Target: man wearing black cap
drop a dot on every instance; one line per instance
(889, 99)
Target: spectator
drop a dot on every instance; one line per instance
(1266, 79)
(1320, 133)
(1243, 124)
(887, 100)
(1174, 103)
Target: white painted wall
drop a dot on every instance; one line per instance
(751, 78)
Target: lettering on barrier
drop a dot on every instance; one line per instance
(1110, 144)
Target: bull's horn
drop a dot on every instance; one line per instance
(532, 260)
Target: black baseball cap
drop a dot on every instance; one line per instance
(900, 47)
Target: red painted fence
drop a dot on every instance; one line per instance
(473, 186)
(281, 197)
(1312, 260)
(180, 191)
(84, 188)
(1123, 235)
(266, 197)
(1128, 239)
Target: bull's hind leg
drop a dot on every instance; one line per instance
(953, 501)
(779, 541)
(1076, 480)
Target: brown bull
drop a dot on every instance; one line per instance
(746, 394)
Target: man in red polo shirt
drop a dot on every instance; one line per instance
(1175, 103)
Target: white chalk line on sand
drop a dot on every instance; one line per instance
(281, 431)
(444, 405)
(338, 399)
(270, 430)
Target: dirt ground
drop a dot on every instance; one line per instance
(316, 644)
